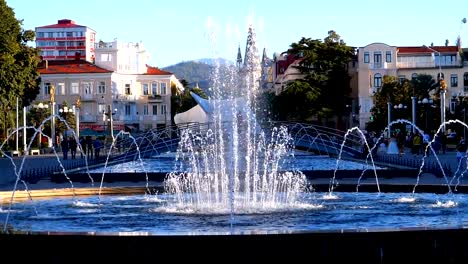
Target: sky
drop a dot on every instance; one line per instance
(182, 30)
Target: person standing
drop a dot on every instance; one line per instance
(72, 144)
(65, 147)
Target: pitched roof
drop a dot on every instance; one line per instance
(63, 23)
(156, 71)
(70, 67)
(422, 49)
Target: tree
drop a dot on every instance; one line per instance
(183, 101)
(399, 92)
(18, 65)
(324, 64)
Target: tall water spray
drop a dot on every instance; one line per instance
(234, 165)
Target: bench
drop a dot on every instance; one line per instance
(34, 152)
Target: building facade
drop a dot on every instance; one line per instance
(137, 94)
(378, 59)
(66, 41)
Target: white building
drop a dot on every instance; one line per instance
(138, 94)
(66, 41)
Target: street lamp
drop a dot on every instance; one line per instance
(41, 107)
(65, 110)
(426, 103)
(108, 117)
(443, 87)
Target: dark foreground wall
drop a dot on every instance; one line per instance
(429, 246)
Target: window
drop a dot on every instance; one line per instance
(128, 110)
(453, 80)
(414, 76)
(401, 78)
(102, 110)
(145, 89)
(127, 89)
(102, 87)
(87, 87)
(75, 88)
(145, 110)
(154, 88)
(163, 109)
(465, 79)
(46, 88)
(60, 89)
(377, 59)
(163, 89)
(366, 57)
(155, 109)
(377, 80)
(388, 56)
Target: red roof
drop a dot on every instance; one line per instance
(63, 23)
(70, 67)
(156, 71)
(423, 49)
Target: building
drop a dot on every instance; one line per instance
(379, 59)
(66, 41)
(119, 84)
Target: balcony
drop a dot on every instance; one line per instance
(378, 65)
(88, 97)
(425, 64)
(155, 98)
(124, 98)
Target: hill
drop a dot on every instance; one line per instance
(197, 71)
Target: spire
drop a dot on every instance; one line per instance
(239, 58)
(264, 57)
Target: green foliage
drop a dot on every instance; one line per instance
(324, 92)
(18, 65)
(396, 92)
(183, 101)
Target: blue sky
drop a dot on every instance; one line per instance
(181, 30)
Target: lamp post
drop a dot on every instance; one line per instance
(41, 107)
(443, 87)
(413, 113)
(108, 118)
(426, 103)
(65, 110)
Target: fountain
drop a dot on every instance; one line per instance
(233, 186)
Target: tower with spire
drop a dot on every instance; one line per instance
(239, 59)
(257, 71)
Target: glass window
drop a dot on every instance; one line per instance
(87, 87)
(163, 88)
(440, 76)
(366, 57)
(60, 88)
(453, 80)
(388, 56)
(46, 88)
(401, 78)
(163, 109)
(75, 88)
(128, 110)
(145, 109)
(102, 87)
(377, 80)
(155, 109)
(154, 88)
(377, 57)
(102, 110)
(414, 76)
(127, 89)
(465, 79)
(145, 89)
